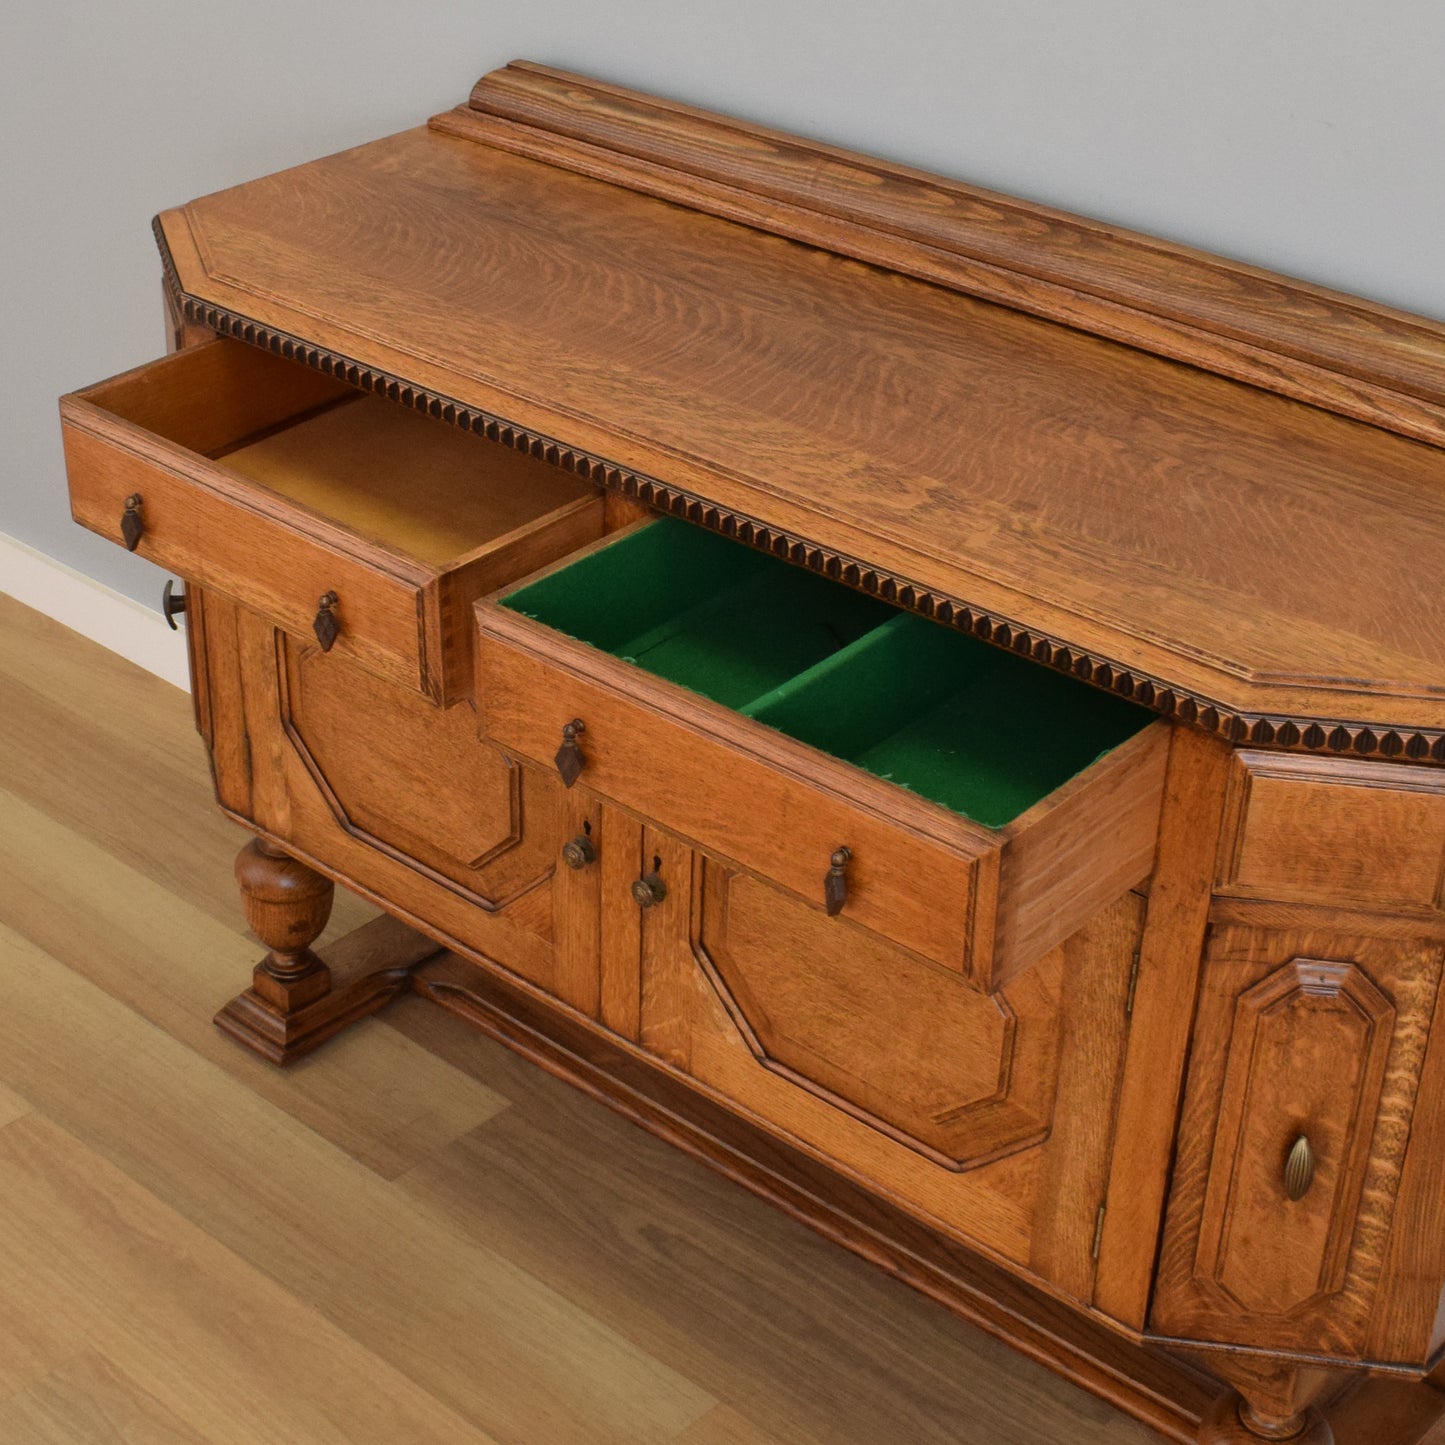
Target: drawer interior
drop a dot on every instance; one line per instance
(979, 730)
(409, 483)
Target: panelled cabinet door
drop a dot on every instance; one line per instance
(392, 792)
(413, 782)
(914, 1050)
(986, 1112)
(1308, 1049)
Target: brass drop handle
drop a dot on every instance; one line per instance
(1299, 1168)
(835, 884)
(132, 528)
(326, 627)
(570, 760)
(172, 603)
(649, 890)
(579, 852)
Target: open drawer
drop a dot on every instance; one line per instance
(962, 801)
(338, 514)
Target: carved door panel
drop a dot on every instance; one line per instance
(395, 795)
(1308, 1050)
(912, 1049)
(412, 779)
(986, 1112)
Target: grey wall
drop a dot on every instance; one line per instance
(1304, 135)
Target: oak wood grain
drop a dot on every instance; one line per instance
(982, 1075)
(1159, 1035)
(1153, 1386)
(1220, 314)
(1339, 834)
(782, 808)
(322, 504)
(756, 426)
(603, 1168)
(1240, 1263)
(877, 1361)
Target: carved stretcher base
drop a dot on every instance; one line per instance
(363, 973)
(1157, 1387)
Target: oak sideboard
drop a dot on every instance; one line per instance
(934, 705)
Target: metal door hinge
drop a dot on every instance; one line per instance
(1133, 983)
(1099, 1233)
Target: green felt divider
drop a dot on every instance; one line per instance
(706, 613)
(981, 731)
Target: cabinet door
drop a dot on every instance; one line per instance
(395, 795)
(1308, 1049)
(987, 1112)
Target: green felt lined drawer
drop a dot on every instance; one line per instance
(978, 730)
(773, 717)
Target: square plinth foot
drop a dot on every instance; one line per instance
(284, 1020)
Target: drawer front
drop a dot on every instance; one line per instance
(1335, 832)
(280, 487)
(1307, 1058)
(732, 787)
(200, 523)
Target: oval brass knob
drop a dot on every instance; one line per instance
(649, 890)
(835, 882)
(132, 529)
(569, 759)
(172, 603)
(579, 852)
(1299, 1169)
(326, 627)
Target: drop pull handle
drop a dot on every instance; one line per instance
(835, 883)
(579, 852)
(132, 528)
(173, 603)
(570, 760)
(326, 627)
(649, 890)
(1299, 1168)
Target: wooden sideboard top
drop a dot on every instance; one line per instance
(1214, 490)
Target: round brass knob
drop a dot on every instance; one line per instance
(579, 852)
(649, 890)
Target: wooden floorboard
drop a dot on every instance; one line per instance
(412, 1236)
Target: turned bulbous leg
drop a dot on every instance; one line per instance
(1233, 1421)
(287, 905)
(293, 1004)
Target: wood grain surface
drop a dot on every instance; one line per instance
(276, 486)
(1338, 351)
(1255, 554)
(195, 1247)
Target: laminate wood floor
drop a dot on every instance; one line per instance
(410, 1237)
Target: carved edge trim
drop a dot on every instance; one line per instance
(1309, 735)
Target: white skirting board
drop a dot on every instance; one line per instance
(93, 610)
